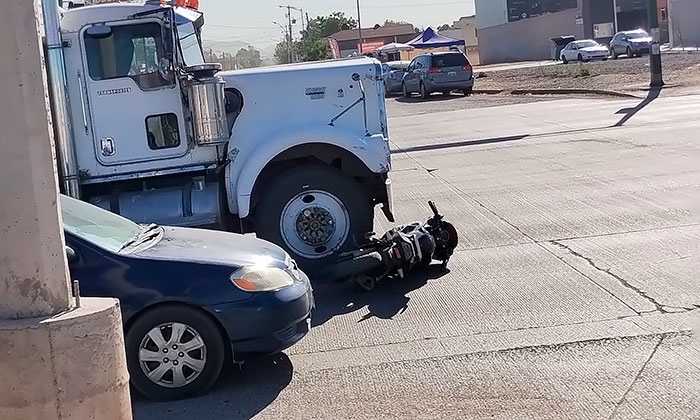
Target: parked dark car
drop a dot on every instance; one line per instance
(394, 72)
(190, 299)
(438, 72)
(630, 43)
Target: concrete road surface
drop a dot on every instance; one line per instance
(573, 295)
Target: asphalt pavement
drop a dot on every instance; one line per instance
(574, 293)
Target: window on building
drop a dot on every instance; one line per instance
(663, 13)
(133, 51)
(162, 131)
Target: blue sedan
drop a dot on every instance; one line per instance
(190, 298)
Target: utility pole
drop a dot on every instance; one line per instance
(615, 15)
(655, 49)
(290, 34)
(359, 25)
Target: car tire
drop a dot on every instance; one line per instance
(629, 52)
(580, 58)
(468, 91)
(169, 319)
(329, 195)
(424, 94)
(404, 90)
(613, 54)
(564, 60)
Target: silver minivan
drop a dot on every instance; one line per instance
(438, 72)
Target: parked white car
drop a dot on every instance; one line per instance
(585, 50)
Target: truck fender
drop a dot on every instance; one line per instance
(373, 151)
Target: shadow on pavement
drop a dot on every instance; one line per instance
(463, 143)
(241, 393)
(628, 113)
(432, 98)
(389, 299)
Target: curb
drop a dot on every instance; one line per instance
(573, 92)
(487, 91)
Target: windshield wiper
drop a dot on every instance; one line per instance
(145, 234)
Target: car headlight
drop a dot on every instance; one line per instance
(261, 279)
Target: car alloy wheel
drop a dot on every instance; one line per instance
(172, 355)
(174, 351)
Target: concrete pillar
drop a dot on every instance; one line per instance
(56, 361)
(33, 275)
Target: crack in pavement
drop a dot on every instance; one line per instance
(664, 309)
(636, 378)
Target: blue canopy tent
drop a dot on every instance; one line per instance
(430, 38)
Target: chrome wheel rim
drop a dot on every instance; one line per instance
(172, 355)
(314, 224)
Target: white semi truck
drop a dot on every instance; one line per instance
(298, 154)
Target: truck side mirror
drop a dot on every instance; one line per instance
(99, 31)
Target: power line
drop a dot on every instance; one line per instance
(415, 5)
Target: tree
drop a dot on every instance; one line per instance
(390, 22)
(444, 27)
(282, 53)
(248, 57)
(313, 45)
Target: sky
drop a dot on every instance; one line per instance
(232, 24)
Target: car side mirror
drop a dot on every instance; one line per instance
(71, 256)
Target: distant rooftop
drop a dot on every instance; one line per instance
(381, 32)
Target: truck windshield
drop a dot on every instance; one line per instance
(189, 44)
(95, 225)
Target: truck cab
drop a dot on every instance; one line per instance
(298, 154)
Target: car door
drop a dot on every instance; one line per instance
(421, 69)
(573, 52)
(567, 51)
(410, 78)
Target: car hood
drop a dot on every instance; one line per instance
(214, 247)
(594, 49)
(641, 40)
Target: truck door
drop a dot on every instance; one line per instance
(135, 103)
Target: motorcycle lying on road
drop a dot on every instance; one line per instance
(396, 253)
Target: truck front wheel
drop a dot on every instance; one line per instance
(315, 212)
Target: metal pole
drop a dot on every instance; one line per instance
(615, 16)
(289, 17)
(655, 49)
(359, 25)
(60, 102)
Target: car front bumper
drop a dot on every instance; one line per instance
(640, 49)
(268, 322)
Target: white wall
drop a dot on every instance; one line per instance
(491, 13)
(683, 25)
(527, 39)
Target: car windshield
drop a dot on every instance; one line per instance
(637, 35)
(449, 60)
(93, 224)
(587, 44)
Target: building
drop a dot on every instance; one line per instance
(520, 30)
(683, 16)
(465, 28)
(372, 38)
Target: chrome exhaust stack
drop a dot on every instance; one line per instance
(60, 105)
